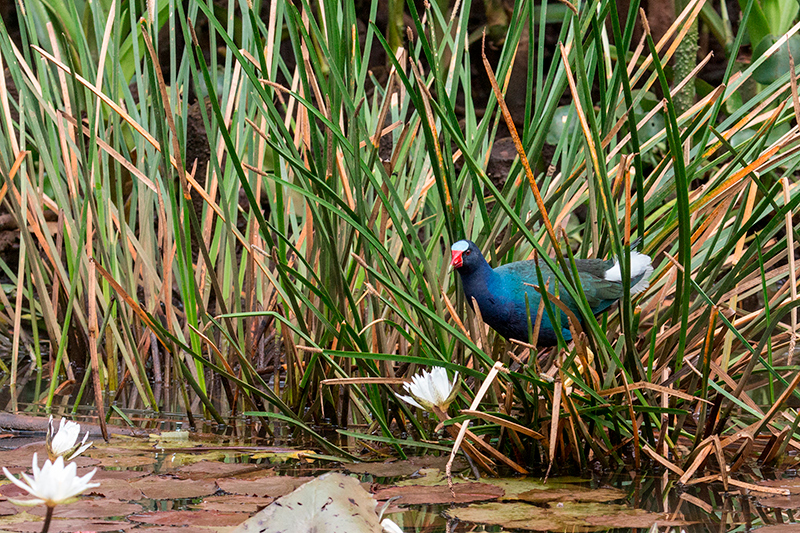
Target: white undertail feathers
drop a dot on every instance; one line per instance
(641, 265)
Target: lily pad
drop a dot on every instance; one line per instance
(790, 501)
(567, 516)
(420, 494)
(428, 477)
(282, 456)
(188, 518)
(213, 469)
(68, 525)
(86, 508)
(515, 487)
(162, 488)
(126, 461)
(234, 504)
(790, 484)
(741, 137)
(560, 123)
(101, 475)
(652, 127)
(572, 494)
(403, 468)
(269, 486)
(177, 460)
(118, 489)
(777, 64)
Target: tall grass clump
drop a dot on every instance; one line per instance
(234, 202)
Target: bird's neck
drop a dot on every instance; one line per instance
(476, 283)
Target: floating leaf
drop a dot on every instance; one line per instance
(177, 460)
(333, 503)
(560, 123)
(163, 488)
(86, 508)
(118, 489)
(273, 486)
(188, 518)
(282, 456)
(420, 494)
(126, 461)
(558, 517)
(572, 494)
(171, 436)
(791, 501)
(778, 63)
(6, 508)
(214, 469)
(403, 468)
(514, 487)
(102, 475)
(779, 528)
(77, 524)
(231, 503)
(428, 477)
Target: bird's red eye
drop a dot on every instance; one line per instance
(466, 252)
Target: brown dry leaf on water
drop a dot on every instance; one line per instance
(333, 503)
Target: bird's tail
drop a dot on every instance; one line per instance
(641, 268)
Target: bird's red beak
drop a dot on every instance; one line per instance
(457, 260)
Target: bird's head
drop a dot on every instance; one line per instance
(465, 256)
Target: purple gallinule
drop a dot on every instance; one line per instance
(500, 292)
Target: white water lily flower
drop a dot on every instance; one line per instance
(65, 441)
(55, 483)
(390, 527)
(431, 389)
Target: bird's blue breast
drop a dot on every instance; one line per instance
(501, 299)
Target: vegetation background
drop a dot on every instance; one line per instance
(225, 208)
